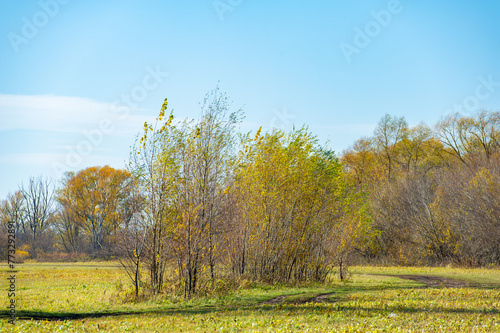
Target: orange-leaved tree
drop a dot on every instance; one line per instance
(95, 196)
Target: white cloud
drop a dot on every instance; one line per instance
(34, 159)
(67, 114)
(63, 133)
(47, 112)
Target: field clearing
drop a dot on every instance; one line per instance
(88, 297)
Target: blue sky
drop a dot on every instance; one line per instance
(79, 78)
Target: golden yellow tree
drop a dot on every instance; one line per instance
(292, 195)
(94, 195)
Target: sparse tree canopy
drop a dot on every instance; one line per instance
(39, 205)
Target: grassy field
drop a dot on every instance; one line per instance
(88, 297)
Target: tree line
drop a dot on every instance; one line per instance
(200, 203)
(434, 192)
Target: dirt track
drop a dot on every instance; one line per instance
(428, 280)
(434, 281)
(316, 299)
(275, 301)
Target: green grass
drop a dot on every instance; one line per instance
(88, 297)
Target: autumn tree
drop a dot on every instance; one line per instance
(417, 149)
(479, 222)
(133, 234)
(361, 161)
(420, 212)
(154, 164)
(13, 210)
(414, 231)
(69, 229)
(468, 201)
(467, 138)
(292, 194)
(390, 130)
(183, 171)
(12, 213)
(207, 162)
(352, 233)
(94, 195)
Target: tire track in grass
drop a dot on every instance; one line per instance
(315, 299)
(431, 281)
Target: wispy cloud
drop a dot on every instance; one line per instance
(31, 159)
(48, 112)
(54, 134)
(65, 114)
